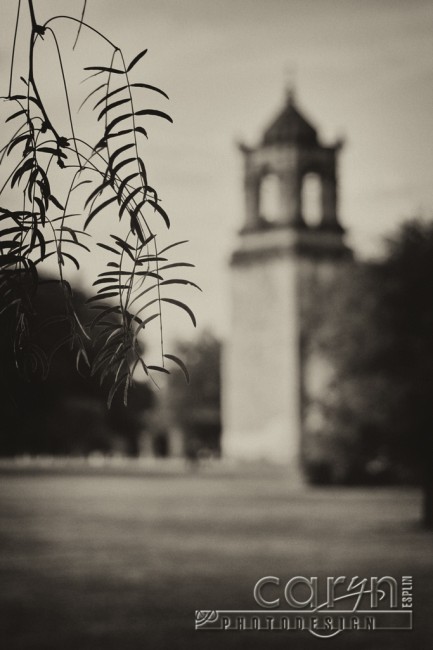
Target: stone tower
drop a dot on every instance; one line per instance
(288, 250)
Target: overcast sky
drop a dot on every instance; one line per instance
(363, 70)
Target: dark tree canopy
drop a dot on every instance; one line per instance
(380, 331)
(63, 411)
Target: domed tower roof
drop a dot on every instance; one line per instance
(290, 127)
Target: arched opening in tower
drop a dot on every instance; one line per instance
(312, 199)
(270, 199)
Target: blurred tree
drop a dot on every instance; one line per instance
(380, 334)
(195, 408)
(63, 411)
(407, 313)
(346, 431)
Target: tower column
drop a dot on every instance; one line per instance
(291, 185)
(329, 201)
(252, 197)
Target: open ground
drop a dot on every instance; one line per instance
(121, 558)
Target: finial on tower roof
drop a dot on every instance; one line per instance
(290, 81)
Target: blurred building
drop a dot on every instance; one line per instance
(288, 253)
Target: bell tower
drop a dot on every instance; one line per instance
(289, 248)
(288, 152)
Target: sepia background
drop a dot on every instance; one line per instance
(116, 527)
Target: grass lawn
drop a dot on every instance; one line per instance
(119, 560)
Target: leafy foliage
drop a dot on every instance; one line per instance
(108, 178)
(378, 331)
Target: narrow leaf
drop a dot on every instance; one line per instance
(102, 68)
(159, 369)
(115, 388)
(153, 111)
(100, 207)
(63, 254)
(22, 170)
(119, 166)
(135, 60)
(52, 151)
(16, 141)
(17, 114)
(149, 87)
(145, 322)
(118, 152)
(125, 182)
(162, 212)
(174, 265)
(104, 280)
(178, 243)
(96, 191)
(109, 248)
(122, 88)
(128, 200)
(112, 294)
(55, 202)
(104, 312)
(110, 107)
(182, 305)
(180, 363)
(92, 93)
(116, 121)
(179, 281)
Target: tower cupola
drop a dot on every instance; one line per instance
(278, 172)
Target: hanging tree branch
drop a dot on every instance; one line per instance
(131, 291)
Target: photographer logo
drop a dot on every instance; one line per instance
(324, 607)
